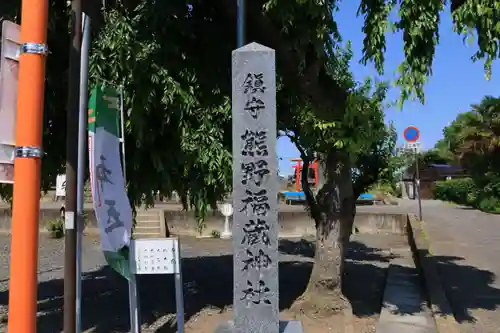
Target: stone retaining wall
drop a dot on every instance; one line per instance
(46, 215)
(293, 222)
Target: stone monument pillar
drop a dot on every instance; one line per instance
(255, 194)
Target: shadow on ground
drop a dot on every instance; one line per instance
(467, 287)
(366, 271)
(208, 282)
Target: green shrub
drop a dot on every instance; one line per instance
(490, 204)
(464, 191)
(87, 192)
(55, 228)
(215, 234)
(461, 191)
(383, 189)
(398, 192)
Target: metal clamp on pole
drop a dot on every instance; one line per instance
(28, 152)
(34, 48)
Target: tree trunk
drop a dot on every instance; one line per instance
(334, 217)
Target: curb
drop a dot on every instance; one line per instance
(426, 263)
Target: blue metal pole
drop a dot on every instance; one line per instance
(240, 22)
(82, 150)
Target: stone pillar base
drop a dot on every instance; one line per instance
(286, 326)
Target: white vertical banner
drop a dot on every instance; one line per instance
(111, 204)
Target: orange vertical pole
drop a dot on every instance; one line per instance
(26, 200)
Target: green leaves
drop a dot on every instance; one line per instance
(376, 14)
(177, 130)
(418, 21)
(474, 140)
(174, 66)
(359, 135)
(483, 17)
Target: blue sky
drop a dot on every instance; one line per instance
(456, 83)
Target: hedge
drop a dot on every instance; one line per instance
(462, 191)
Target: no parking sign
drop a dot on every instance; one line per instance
(411, 134)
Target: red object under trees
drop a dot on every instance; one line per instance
(298, 170)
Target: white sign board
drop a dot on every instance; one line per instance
(9, 69)
(414, 147)
(155, 256)
(61, 186)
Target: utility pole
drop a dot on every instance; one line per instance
(27, 164)
(71, 168)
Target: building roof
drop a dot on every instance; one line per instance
(443, 169)
(441, 166)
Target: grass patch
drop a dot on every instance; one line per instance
(424, 235)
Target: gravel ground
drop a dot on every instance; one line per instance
(207, 268)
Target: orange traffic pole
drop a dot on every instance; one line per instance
(26, 200)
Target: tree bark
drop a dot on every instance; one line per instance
(333, 211)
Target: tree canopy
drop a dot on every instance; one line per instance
(473, 140)
(173, 62)
(368, 150)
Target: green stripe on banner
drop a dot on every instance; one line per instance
(119, 261)
(104, 109)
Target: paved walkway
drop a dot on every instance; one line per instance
(404, 309)
(466, 243)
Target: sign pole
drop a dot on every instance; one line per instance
(133, 291)
(417, 173)
(26, 199)
(411, 134)
(122, 130)
(82, 151)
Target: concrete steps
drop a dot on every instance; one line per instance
(150, 224)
